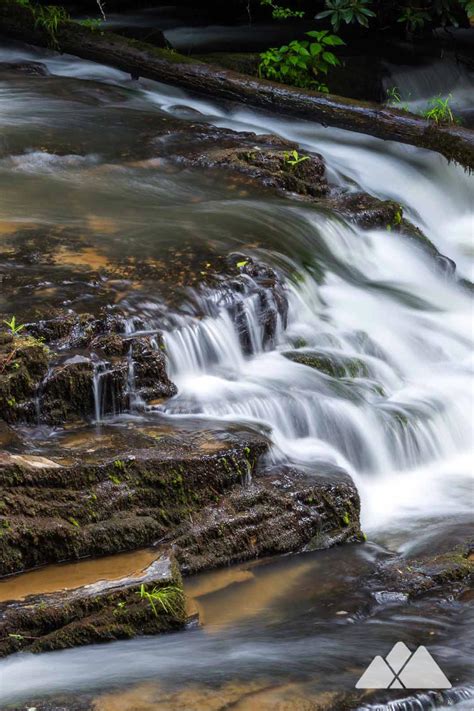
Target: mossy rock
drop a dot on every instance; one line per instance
(23, 363)
(103, 611)
(337, 366)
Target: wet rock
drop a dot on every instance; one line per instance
(263, 285)
(149, 370)
(67, 393)
(336, 365)
(65, 509)
(23, 363)
(99, 612)
(29, 68)
(369, 212)
(448, 573)
(264, 159)
(276, 513)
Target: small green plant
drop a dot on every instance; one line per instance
(49, 18)
(348, 11)
(397, 219)
(19, 637)
(120, 607)
(93, 24)
(439, 110)
(74, 522)
(242, 264)
(119, 464)
(301, 63)
(293, 158)
(394, 99)
(169, 598)
(13, 326)
(281, 13)
(23, 3)
(393, 95)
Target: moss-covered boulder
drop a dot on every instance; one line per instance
(67, 393)
(337, 365)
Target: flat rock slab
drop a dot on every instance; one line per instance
(102, 611)
(75, 504)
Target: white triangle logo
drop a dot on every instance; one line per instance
(422, 672)
(403, 670)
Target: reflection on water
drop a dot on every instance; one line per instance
(94, 211)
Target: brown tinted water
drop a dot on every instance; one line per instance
(68, 576)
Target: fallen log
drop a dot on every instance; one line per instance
(164, 65)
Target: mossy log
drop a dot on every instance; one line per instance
(141, 59)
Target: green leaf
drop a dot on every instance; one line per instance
(330, 58)
(334, 41)
(315, 48)
(242, 264)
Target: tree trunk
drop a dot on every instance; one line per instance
(140, 59)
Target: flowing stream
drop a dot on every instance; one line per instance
(403, 428)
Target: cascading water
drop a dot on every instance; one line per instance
(397, 417)
(408, 413)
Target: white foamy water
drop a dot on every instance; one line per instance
(398, 428)
(421, 323)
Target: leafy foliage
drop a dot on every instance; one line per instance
(415, 15)
(414, 19)
(347, 11)
(301, 63)
(282, 13)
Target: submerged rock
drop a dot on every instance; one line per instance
(449, 572)
(28, 68)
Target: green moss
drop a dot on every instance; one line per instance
(334, 366)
